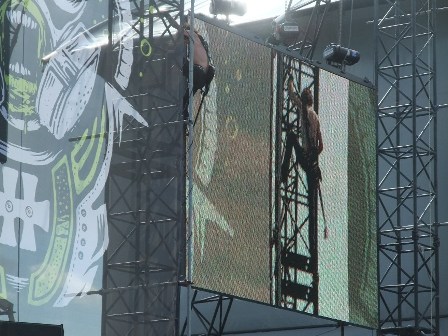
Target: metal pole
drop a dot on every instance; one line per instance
(435, 171)
(341, 13)
(415, 231)
(190, 167)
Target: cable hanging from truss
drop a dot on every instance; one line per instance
(349, 44)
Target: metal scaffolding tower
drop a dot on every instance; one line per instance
(294, 245)
(209, 312)
(146, 210)
(407, 160)
(407, 189)
(307, 42)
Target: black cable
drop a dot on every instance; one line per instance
(351, 24)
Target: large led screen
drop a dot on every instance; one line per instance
(285, 186)
(232, 169)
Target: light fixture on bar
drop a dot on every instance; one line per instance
(228, 7)
(337, 55)
(283, 30)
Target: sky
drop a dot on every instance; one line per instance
(256, 9)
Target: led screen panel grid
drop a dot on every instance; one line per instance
(345, 260)
(348, 162)
(232, 170)
(235, 183)
(362, 219)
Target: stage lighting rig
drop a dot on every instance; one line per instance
(228, 7)
(283, 31)
(340, 56)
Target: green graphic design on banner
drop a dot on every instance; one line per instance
(85, 149)
(22, 91)
(63, 99)
(45, 282)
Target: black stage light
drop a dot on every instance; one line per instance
(286, 31)
(283, 31)
(228, 7)
(335, 54)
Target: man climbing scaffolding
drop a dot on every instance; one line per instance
(312, 145)
(203, 69)
(306, 153)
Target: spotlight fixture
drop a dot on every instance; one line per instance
(286, 31)
(228, 7)
(340, 56)
(283, 31)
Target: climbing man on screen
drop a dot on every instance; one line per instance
(307, 153)
(203, 68)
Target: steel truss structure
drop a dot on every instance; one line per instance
(307, 41)
(146, 222)
(212, 321)
(146, 210)
(407, 148)
(294, 240)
